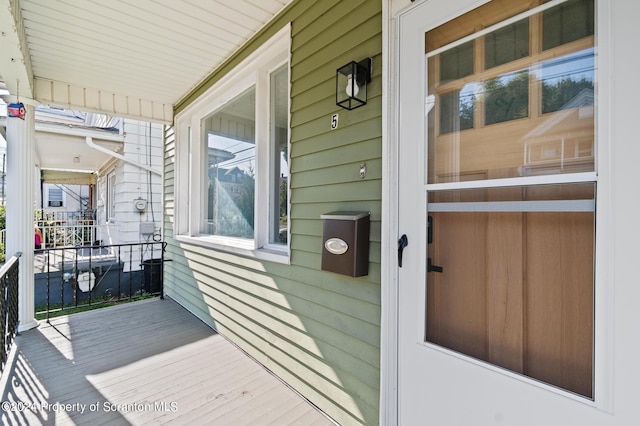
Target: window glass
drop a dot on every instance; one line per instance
(111, 195)
(457, 62)
(279, 118)
(456, 109)
(507, 97)
(567, 22)
(567, 81)
(516, 286)
(55, 196)
(527, 111)
(230, 175)
(507, 44)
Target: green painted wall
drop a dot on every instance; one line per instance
(317, 330)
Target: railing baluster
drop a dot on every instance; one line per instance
(130, 270)
(119, 272)
(4, 280)
(62, 283)
(75, 287)
(8, 305)
(89, 274)
(49, 285)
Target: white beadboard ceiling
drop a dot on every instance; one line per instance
(133, 58)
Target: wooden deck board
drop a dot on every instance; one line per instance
(148, 362)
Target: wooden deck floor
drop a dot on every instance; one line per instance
(148, 362)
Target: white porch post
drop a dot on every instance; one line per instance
(19, 202)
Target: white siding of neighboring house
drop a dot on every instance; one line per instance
(142, 145)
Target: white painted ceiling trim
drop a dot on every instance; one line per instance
(70, 96)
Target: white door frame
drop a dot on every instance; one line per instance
(393, 13)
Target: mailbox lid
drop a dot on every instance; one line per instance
(344, 215)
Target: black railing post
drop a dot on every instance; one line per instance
(119, 271)
(46, 256)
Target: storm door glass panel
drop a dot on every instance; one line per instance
(280, 155)
(230, 151)
(516, 284)
(501, 106)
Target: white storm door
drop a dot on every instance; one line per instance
(497, 190)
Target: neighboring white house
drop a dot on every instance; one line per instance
(97, 166)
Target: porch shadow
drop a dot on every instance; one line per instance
(143, 362)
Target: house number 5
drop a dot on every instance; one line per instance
(334, 121)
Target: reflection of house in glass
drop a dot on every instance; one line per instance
(231, 181)
(230, 195)
(564, 141)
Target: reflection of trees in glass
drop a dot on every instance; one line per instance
(281, 237)
(456, 111)
(507, 97)
(231, 205)
(283, 200)
(246, 198)
(557, 96)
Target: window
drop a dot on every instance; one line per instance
(56, 196)
(111, 195)
(230, 147)
(512, 190)
(233, 158)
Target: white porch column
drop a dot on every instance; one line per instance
(19, 202)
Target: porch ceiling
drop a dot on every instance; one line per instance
(76, 155)
(126, 58)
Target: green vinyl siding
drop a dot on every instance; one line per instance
(318, 331)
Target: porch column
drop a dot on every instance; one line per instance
(19, 203)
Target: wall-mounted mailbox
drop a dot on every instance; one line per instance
(345, 243)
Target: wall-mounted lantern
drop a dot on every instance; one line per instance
(351, 84)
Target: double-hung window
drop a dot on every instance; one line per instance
(111, 195)
(233, 158)
(56, 196)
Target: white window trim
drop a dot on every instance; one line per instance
(254, 70)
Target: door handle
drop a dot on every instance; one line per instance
(433, 268)
(402, 243)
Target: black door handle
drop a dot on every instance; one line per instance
(433, 268)
(402, 243)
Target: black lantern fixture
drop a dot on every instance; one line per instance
(351, 84)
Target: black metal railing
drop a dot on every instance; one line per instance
(73, 278)
(8, 305)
